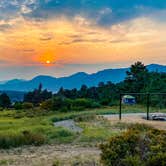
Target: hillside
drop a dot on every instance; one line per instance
(73, 81)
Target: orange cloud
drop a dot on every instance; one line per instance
(81, 41)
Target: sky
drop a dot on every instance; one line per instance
(61, 37)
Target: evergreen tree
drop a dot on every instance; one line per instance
(136, 79)
(37, 96)
(4, 101)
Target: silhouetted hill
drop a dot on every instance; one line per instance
(73, 81)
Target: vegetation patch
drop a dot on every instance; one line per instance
(6, 162)
(8, 140)
(140, 145)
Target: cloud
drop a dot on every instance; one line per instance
(28, 50)
(5, 26)
(47, 36)
(103, 13)
(82, 40)
(119, 41)
(15, 8)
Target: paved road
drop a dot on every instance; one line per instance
(124, 115)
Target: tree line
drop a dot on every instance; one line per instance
(138, 79)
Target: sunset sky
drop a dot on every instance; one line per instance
(61, 37)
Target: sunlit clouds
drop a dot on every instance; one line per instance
(52, 42)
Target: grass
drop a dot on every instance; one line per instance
(40, 128)
(139, 109)
(5, 162)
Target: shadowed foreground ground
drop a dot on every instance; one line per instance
(46, 155)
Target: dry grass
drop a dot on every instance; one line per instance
(46, 155)
(138, 119)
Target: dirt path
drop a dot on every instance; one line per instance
(64, 155)
(136, 118)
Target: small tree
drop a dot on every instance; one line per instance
(4, 100)
(37, 96)
(27, 105)
(136, 79)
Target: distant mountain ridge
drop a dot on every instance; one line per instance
(73, 81)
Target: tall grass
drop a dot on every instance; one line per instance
(39, 129)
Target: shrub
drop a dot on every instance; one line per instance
(65, 104)
(57, 103)
(60, 134)
(33, 138)
(5, 100)
(85, 118)
(27, 105)
(18, 106)
(95, 105)
(105, 101)
(19, 115)
(78, 108)
(157, 160)
(140, 145)
(9, 140)
(47, 105)
(86, 103)
(64, 109)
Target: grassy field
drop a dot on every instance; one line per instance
(21, 128)
(35, 127)
(27, 127)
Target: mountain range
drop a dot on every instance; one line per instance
(73, 81)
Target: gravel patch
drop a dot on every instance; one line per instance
(69, 124)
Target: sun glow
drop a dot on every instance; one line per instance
(48, 62)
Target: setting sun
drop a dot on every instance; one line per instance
(48, 62)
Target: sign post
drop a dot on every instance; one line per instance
(120, 107)
(148, 104)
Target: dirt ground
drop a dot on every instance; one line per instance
(136, 118)
(47, 155)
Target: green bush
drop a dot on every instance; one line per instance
(60, 134)
(95, 105)
(19, 115)
(105, 101)
(27, 105)
(65, 104)
(64, 109)
(157, 160)
(85, 118)
(85, 103)
(47, 105)
(57, 103)
(9, 140)
(18, 106)
(140, 145)
(78, 108)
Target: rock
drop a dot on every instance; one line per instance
(69, 124)
(158, 116)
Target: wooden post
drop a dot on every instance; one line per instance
(148, 104)
(120, 107)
